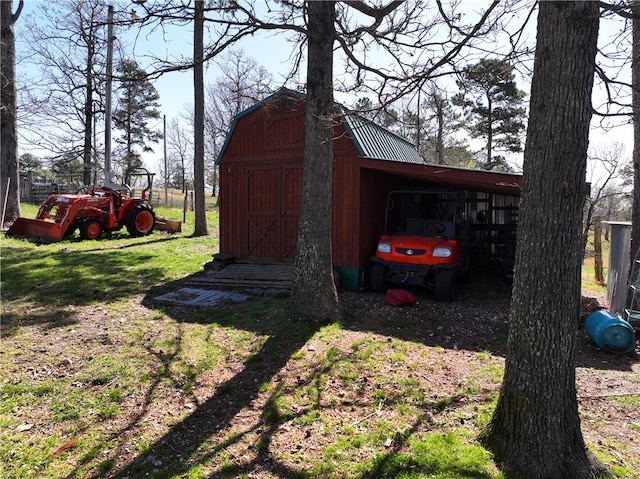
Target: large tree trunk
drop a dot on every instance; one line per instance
(313, 291)
(635, 100)
(535, 430)
(198, 156)
(9, 165)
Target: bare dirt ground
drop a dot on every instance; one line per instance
(438, 345)
(478, 322)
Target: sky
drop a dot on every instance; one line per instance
(176, 88)
(270, 50)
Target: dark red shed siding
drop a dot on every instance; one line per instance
(260, 184)
(260, 187)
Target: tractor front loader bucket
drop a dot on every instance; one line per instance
(39, 231)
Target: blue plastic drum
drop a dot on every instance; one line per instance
(610, 332)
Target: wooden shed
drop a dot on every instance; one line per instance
(260, 168)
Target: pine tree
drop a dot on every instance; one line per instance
(137, 104)
(29, 163)
(493, 109)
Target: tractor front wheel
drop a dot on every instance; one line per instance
(90, 229)
(141, 220)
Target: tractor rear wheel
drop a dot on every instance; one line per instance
(141, 220)
(90, 229)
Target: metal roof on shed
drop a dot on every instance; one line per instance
(378, 143)
(371, 140)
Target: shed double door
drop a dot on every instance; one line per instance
(272, 212)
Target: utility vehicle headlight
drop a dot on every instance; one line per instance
(442, 252)
(384, 247)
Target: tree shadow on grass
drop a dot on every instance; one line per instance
(135, 242)
(63, 277)
(211, 432)
(425, 459)
(194, 435)
(203, 435)
(12, 322)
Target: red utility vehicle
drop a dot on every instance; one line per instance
(425, 242)
(92, 211)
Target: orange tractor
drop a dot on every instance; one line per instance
(92, 211)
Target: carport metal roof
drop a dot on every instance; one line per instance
(382, 150)
(474, 180)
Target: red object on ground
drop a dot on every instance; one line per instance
(399, 297)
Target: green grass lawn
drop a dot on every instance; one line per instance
(589, 283)
(110, 269)
(101, 381)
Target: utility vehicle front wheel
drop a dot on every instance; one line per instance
(445, 285)
(377, 278)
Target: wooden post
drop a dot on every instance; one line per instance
(597, 251)
(30, 186)
(5, 197)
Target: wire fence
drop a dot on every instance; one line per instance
(35, 191)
